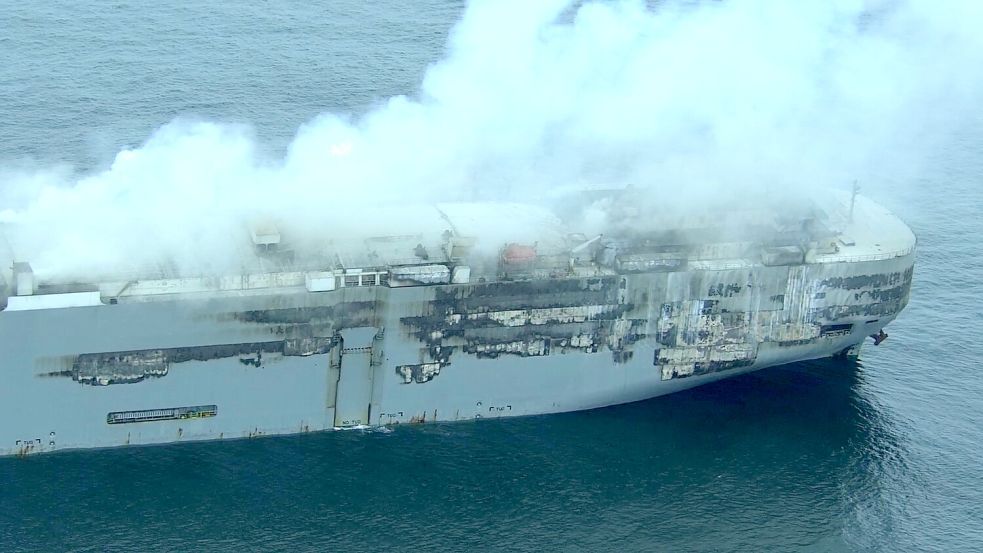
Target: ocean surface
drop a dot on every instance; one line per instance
(882, 455)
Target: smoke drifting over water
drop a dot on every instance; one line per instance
(694, 101)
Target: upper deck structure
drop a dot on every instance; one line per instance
(489, 242)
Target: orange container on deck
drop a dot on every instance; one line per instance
(519, 253)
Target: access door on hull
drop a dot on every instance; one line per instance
(353, 392)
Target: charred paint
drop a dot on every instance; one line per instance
(528, 318)
(875, 280)
(727, 291)
(531, 346)
(497, 296)
(342, 315)
(130, 367)
(419, 373)
(696, 361)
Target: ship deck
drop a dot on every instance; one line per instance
(432, 241)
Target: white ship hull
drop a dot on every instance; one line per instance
(209, 365)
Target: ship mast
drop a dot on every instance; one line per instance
(853, 198)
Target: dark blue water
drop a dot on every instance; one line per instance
(884, 455)
(783, 459)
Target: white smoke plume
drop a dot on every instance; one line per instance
(694, 101)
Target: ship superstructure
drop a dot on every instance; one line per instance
(456, 318)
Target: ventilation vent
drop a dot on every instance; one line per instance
(173, 413)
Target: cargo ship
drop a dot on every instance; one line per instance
(443, 321)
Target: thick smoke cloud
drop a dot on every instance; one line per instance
(695, 102)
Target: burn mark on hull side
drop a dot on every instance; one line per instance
(530, 318)
(876, 280)
(533, 293)
(538, 318)
(838, 312)
(419, 373)
(882, 295)
(533, 346)
(452, 323)
(687, 362)
(308, 321)
(872, 295)
(700, 337)
(102, 369)
(348, 314)
(707, 367)
(130, 367)
(725, 291)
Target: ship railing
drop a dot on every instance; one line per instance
(839, 258)
(711, 265)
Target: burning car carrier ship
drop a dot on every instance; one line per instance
(434, 325)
